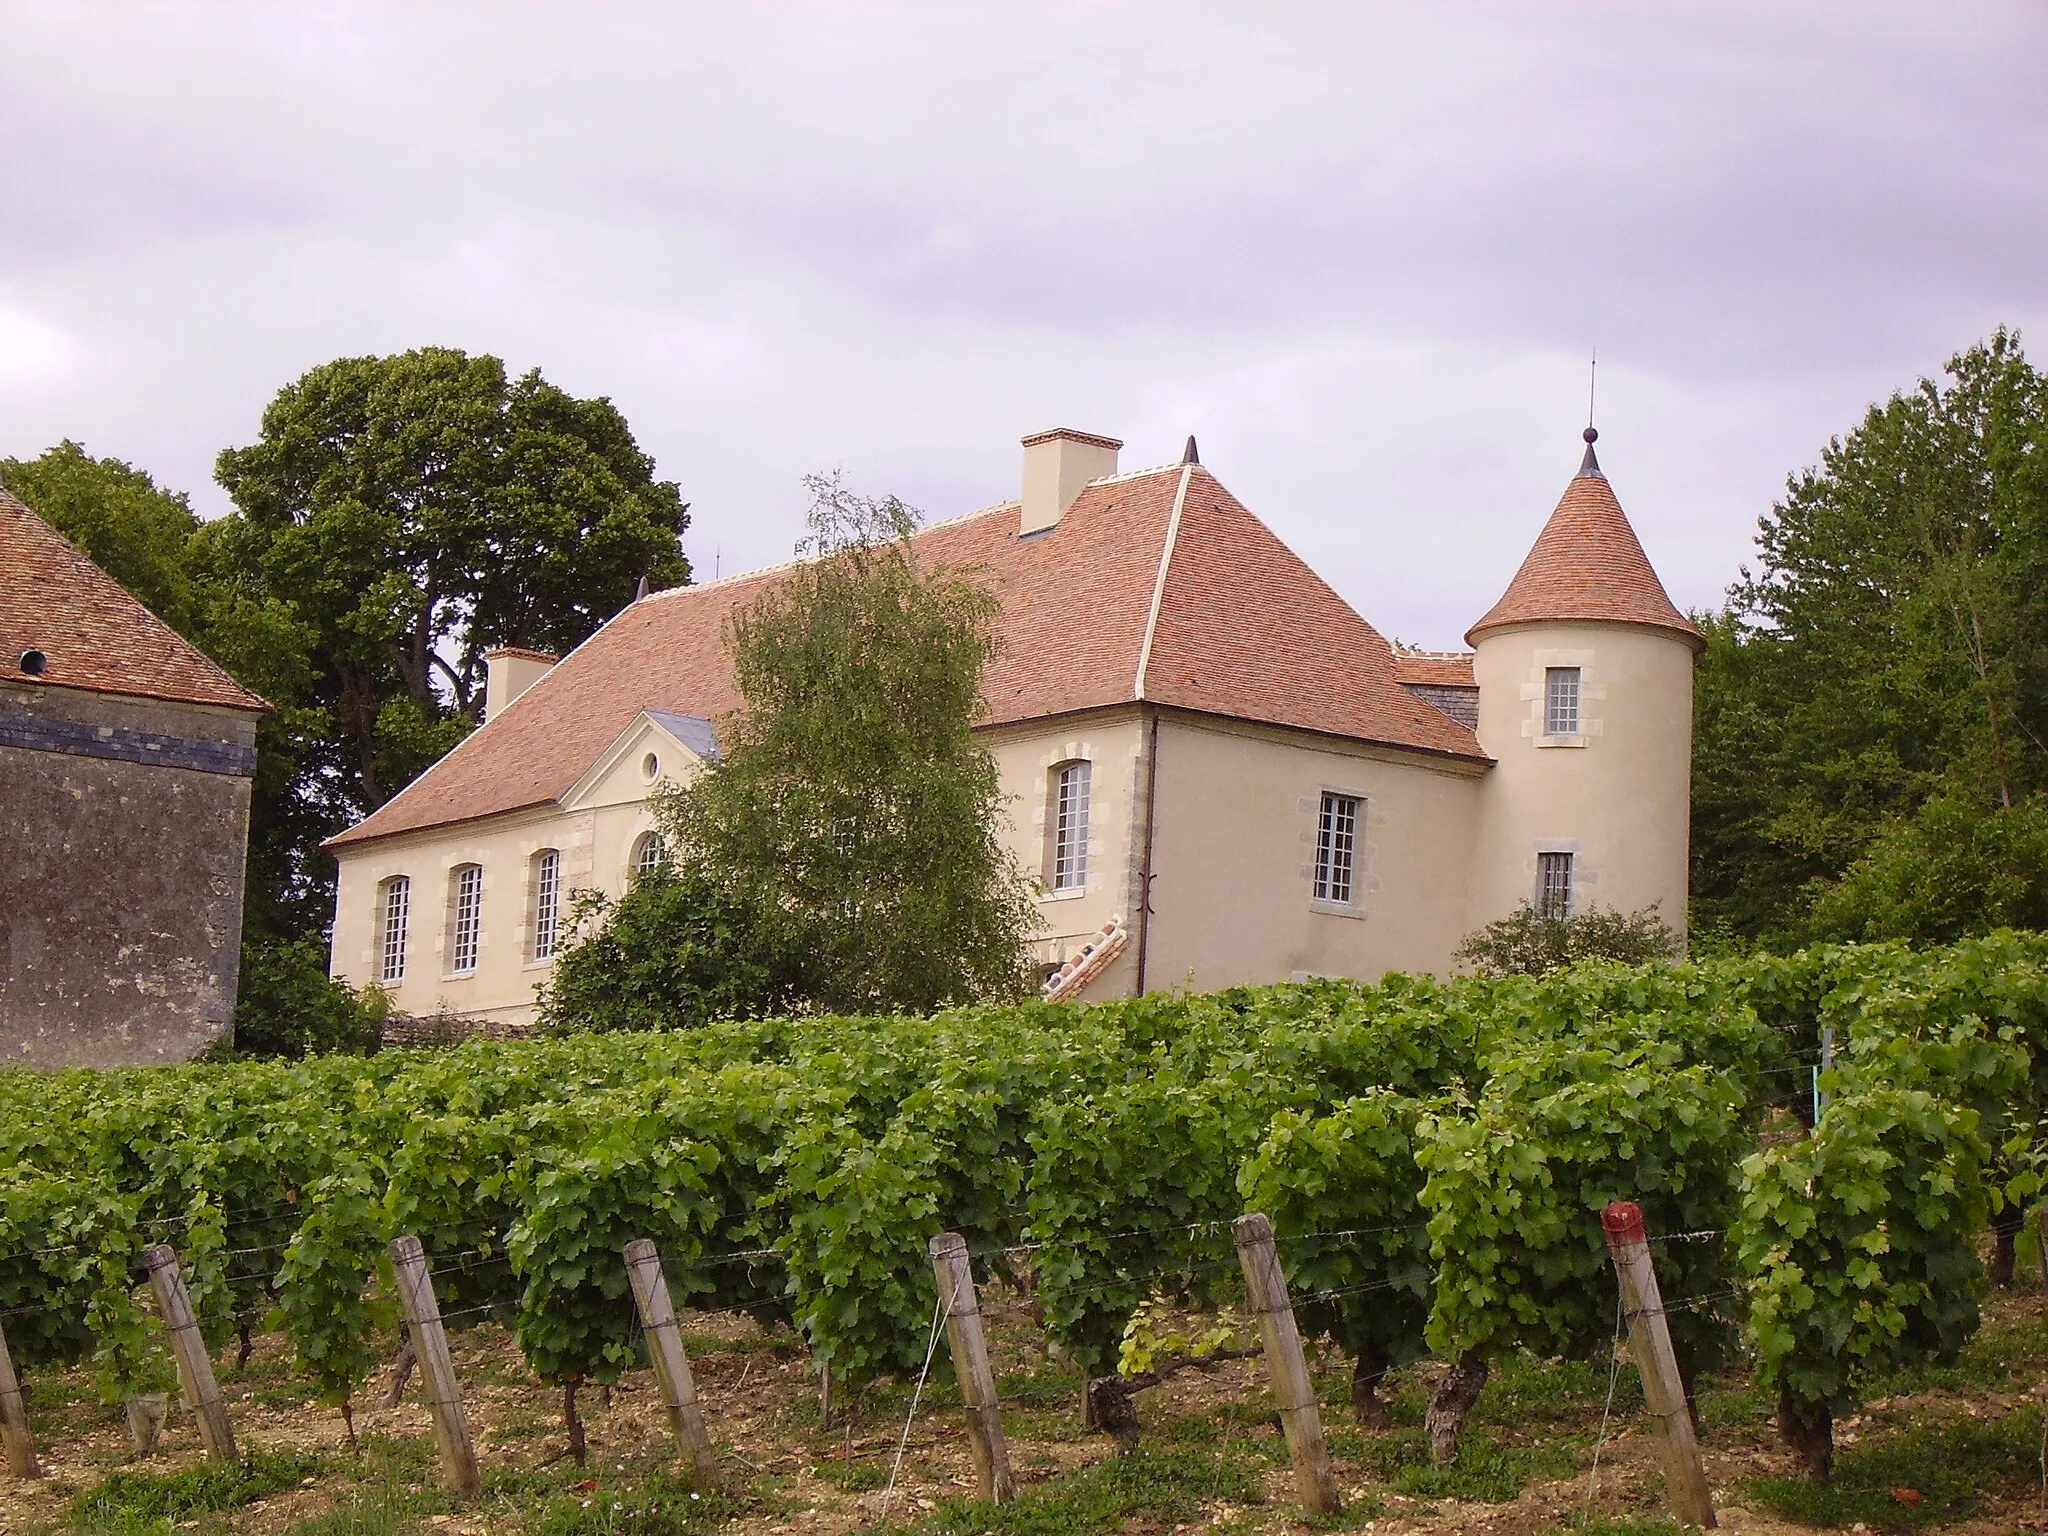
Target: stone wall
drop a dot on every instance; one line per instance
(123, 831)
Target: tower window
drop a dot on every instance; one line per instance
(1554, 885)
(395, 907)
(1072, 787)
(547, 901)
(1337, 848)
(1561, 701)
(465, 928)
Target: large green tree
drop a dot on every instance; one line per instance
(396, 518)
(421, 509)
(1873, 706)
(854, 810)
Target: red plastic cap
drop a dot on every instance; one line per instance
(1624, 1222)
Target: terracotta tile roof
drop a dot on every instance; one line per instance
(1244, 629)
(1434, 669)
(1586, 564)
(92, 633)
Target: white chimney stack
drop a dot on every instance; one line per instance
(1056, 465)
(509, 672)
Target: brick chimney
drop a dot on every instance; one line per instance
(1056, 465)
(509, 672)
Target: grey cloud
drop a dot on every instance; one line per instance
(1361, 250)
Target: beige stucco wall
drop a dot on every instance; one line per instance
(597, 837)
(1112, 742)
(1234, 849)
(1446, 844)
(1617, 796)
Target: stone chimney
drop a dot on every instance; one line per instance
(1056, 465)
(509, 672)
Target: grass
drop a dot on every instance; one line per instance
(1951, 1467)
(1484, 1473)
(853, 1476)
(131, 1503)
(1524, 1390)
(1160, 1486)
(378, 1512)
(657, 1503)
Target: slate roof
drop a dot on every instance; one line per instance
(1242, 628)
(693, 731)
(1587, 564)
(93, 634)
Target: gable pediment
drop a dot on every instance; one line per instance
(657, 746)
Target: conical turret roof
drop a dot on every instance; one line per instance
(1586, 565)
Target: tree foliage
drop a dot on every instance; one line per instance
(396, 518)
(1889, 651)
(420, 510)
(853, 807)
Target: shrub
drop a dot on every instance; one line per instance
(675, 952)
(289, 1006)
(1530, 943)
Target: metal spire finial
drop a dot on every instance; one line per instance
(1188, 455)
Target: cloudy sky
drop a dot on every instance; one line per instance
(1362, 251)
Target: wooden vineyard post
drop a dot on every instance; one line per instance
(195, 1368)
(21, 1451)
(970, 1363)
(671, 1365)
(437, 1370)
(1650, 1342)
(1314, 1483)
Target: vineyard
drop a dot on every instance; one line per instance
(1816, 1142)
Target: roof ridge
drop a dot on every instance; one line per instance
(1428, 655)
(1166, 547)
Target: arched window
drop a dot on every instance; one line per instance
(1072, 784)
(394, 904)
(465, 916)
(650, 852)
(547, 901)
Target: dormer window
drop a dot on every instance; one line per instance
(1561, 701)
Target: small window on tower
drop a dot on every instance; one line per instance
(1554, 885)
(1561, 701)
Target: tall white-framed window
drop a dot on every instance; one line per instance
(1554, 885)
(650, 852)
(466, 917)
(394, 902)
(1560, 701)
(547, 902)
(1072, 789)
(1337, 848)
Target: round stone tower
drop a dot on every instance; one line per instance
(1584, 669)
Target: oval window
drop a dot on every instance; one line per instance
(650, 767)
